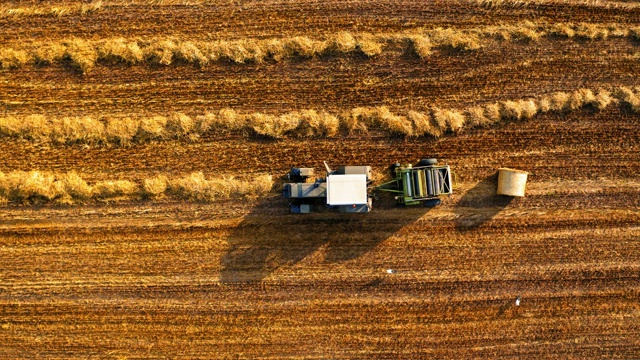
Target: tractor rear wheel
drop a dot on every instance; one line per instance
(393, 168)
(427, 162)
(432, 202)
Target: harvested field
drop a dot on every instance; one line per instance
(140, 207)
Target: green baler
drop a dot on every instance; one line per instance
(420, 184)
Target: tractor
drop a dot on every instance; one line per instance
(348, 189)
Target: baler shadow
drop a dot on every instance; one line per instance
(480, 204)
(269, 238)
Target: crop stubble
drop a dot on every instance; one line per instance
(183, 279)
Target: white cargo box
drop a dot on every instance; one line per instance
(347, 189)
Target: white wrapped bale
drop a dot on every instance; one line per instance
(511, 182)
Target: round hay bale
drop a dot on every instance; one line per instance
(511, 182)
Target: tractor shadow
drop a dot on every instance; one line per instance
(480, 204)
(270, 238)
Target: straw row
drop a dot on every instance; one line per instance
(57, 10)
(306, 123)
(83, 8)
(84, 54)
(519, 4)
(35, 187)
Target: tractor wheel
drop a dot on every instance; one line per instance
(427, 162)
(432, 203)
(294, 175)
(393, 168)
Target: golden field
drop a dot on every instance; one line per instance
(145, 144)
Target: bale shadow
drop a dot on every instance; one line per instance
(480, 204)
(270, 238)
